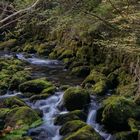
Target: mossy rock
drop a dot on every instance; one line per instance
(3, 112)
(50, 90)
(29, 48)
(35, 86)
(64, 87)
(76, 98)
(126, 135)
(21, 116)
(71, 126)
(116, 112)
(39, 97)
(74, 115)
(19, 78)
(81, 71)
(7, 45)
(85, 133)
(100, 88)
(127, 90)
(10, 102)
(133, 124)
(94, 77)
(66, 54)
(98, 81)
(137, 99)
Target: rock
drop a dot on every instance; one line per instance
(126, 135)
(76, 98)
(116, 112)
(39, 97)
(85, 133)
(98, 81)
(35, 86)
(74, 115)
(71, 126)
(49, 90)
(66, 54)
(10, 102)
(81, 71)
(21, 116)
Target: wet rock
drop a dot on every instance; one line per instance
(35, 86)
(126, 135)
(10, 102)
(71, 126)
(98, 81)
(74, 115)
(85, 133)
(21, 116)
(76, 98)
(116, 111)
(81, 71)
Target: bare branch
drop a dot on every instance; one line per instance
(19, 13)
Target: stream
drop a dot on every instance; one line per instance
(51, 107)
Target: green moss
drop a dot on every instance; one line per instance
(116, 112)
(21, 116)
(85, 133)
(10, 102)
(39, 97)
(12, 74)
(94, 77)
(7, 44)
(49, 90)
(35, 86)
(66, 54)
(127, 90)
(133, 124)
(98, 81)
(74, 94)
(126, 135)
(100, 87)
(3, 112)
(81, 71)
(73, 115)
(71, 126)
(29, 48)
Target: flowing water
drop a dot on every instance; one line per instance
(52, 106)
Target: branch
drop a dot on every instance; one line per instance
(18, 13)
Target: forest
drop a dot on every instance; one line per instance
(69, 69)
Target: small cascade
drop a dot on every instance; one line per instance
(38, 61)
(10, 94)
(50, 110)
(91, 120)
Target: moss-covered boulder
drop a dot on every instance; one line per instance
(39, 97)
(81, 71)
(71, 126)
(126, 135)
(85, 133)
(21, 116)
(66, 54)
(35, 86)
(76, 98)
(49, 90)
(7, 45)
(10, 102)
(116, 111)
(74, 115)
(127, 90)
(98, 82)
